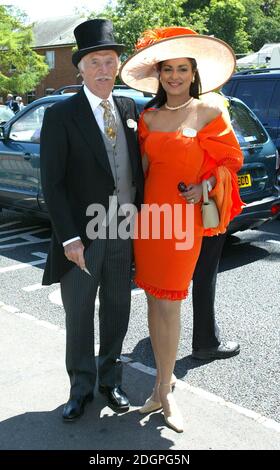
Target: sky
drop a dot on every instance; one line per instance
(39, 9)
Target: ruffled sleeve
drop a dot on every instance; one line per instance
(222, 150)
(218, 140)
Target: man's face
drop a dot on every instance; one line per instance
(99, 70)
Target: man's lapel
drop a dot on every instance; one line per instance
(89, 128)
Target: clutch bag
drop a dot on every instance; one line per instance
(210, 213)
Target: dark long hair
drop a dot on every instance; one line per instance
(161, 97)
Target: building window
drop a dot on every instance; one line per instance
(12, 69)
(31, 96)
(50, 59)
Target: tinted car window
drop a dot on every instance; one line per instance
(227, 88)
(257, 99)
(274, 107)
(28, 127)
(247, 129)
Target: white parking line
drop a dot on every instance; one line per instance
(25, 236)
(9, 308)
(34, 287)
(180, 384)
(137, 292)
(9, 224)
(41, 254)
(15, 267)
(21, 229)
(266, 422)
(28, 236)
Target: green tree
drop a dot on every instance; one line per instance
(267, 32)
(21, 69)
(227, 21)
(132, 17)
(269, 6)
(262, 22)
(192, 6)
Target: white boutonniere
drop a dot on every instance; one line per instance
(131, 124)
(189, 132)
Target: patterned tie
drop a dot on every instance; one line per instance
(110, 126)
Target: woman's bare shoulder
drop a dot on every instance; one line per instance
(209, 110)
(149, 114)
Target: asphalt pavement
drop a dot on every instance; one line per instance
(34, 386)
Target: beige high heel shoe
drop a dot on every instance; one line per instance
(151, 405)
(172, 415)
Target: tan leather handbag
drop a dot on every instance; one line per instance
(210, 213)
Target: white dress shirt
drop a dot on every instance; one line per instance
(98, 112)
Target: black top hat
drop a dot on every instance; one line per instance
(94, 35)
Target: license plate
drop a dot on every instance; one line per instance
(244, 181)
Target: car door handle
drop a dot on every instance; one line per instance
(28, 156)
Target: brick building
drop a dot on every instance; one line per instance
(54, 39)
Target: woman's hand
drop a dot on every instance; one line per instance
(193, 194)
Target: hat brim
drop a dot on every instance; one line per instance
(215, 61)
(79, 54)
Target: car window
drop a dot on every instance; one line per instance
(274, 107)
(247, 129)
(257, 95)
(28, 127)
(227, 88)
(5, 113)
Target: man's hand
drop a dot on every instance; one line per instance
(75, 252)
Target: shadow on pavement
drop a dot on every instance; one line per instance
(99, 428)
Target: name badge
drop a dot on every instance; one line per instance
(189, 132)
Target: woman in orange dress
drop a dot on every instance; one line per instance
(183, 140)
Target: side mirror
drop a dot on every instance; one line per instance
(3, 132)
(2, 137)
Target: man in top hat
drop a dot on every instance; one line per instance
(89, 153)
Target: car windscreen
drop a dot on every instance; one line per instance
(247, 128)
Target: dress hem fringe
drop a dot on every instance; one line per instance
(162, 293)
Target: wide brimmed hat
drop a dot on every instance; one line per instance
(94, 35)
(215, 58)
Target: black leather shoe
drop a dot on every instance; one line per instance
(223, 351)
(117, 398)
(74, 408)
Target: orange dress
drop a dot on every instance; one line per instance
(167, 242)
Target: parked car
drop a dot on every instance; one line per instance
(5, 113)
(20, 182)
(260, 90)
(139, 97)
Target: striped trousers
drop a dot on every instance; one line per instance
(109, 262)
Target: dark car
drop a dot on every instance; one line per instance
(20, 182)
(260, 90)
(119, 90)
(258, 177)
